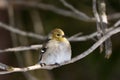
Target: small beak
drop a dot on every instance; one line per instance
(63, 36)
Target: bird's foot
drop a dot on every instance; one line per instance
(42, 64)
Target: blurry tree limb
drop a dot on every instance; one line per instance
(3, 4)
(20, 32)
(74, 37)
(36, 47)
(57, 10)
(102, 23)
(117, 23)
(103, 26)
(37, 36)
(10, 69)
(54, 9)
(95, 12)
(22, 48)
(63, 12)
(82, 15)
(114, 16)
(25, 57)
(37, 22)
(83, 38)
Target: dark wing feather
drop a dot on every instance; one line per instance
(43, 49)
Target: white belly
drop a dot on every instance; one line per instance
(57, 54)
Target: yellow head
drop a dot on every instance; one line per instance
(57, 34)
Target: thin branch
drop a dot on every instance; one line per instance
(104, 26)
(55, 9)
(74, 37)
(79, 13)
(117, 23)
(49, 67)
(83, 38)
(97, 22)
(36, 47)
(95, 11)
(22, 48)
(114, 16)
(61, 11)
(36, 36)
(23, 33)
(92, 35)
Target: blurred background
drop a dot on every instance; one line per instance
(28, 16)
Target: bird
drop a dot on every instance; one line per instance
(56, 50)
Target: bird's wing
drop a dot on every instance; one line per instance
(43, 50)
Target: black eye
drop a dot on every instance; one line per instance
(58, 34)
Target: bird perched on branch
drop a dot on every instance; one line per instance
(56, 50)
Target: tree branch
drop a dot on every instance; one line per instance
(22, 48)
(82, 15)
(20, 32)
(74, 37)
(114, 16)
(104, 26)
(95, 12)
(63, 12)
(10, 69)
(55, 9)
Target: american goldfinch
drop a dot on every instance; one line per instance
(56, 50)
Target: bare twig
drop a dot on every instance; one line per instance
(117, 23)
(83, 16)
(75, 37)
(23, 33)
(62, 11)
(83, 38)
(72, 38)
(92, 35)
(103, 26)
(82, 55)
(101, 21)
(95, 11)
(114, 16)
(97, 22)
(55, 9)
(29, 34)
(22, 48)
(36, 36)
